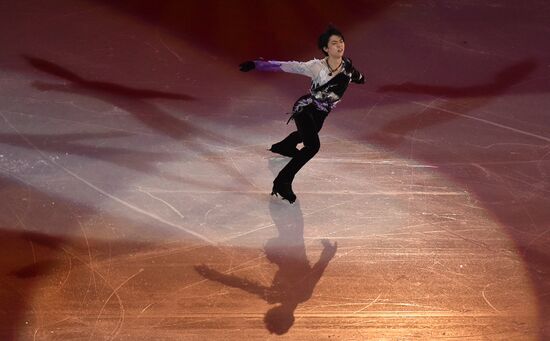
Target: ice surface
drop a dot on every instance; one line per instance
(135, 179)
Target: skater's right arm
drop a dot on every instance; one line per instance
(302, 68)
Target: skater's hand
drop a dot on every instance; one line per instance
(247, 66)
(202, 269)
(205, 271)
(329, 249)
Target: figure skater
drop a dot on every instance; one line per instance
(330, 78)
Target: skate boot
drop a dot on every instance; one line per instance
(281, 149)
(284, 189)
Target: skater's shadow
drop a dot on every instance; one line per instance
(295, 278)
(135, 102)
(460, 100)
(503, 80)
(40, 241)
(131, 100)
(75, 144)
(275, 163)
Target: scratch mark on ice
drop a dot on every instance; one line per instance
(163, 201)
(168, 48)
(486, 300)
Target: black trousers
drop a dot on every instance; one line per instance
(309, 122)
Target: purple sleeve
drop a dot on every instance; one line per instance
(267, 65)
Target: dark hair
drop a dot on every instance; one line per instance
(322, 42)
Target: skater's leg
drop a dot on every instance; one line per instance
(309, 125)
(292, 139)
(287, 146)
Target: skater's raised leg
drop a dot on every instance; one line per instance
(287, 147)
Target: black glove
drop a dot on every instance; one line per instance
(247, 66)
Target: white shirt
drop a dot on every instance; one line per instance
(316, 69)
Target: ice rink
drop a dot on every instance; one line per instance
(135, 176)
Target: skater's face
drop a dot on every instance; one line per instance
(335, 47)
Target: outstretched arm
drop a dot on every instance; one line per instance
(231, 280)
(261, 65)
(301, 68)
(329, 250)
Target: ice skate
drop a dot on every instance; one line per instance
(284, 189)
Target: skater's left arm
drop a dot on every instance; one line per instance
(356, 76)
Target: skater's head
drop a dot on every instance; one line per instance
(280, 318)
(331, 42)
